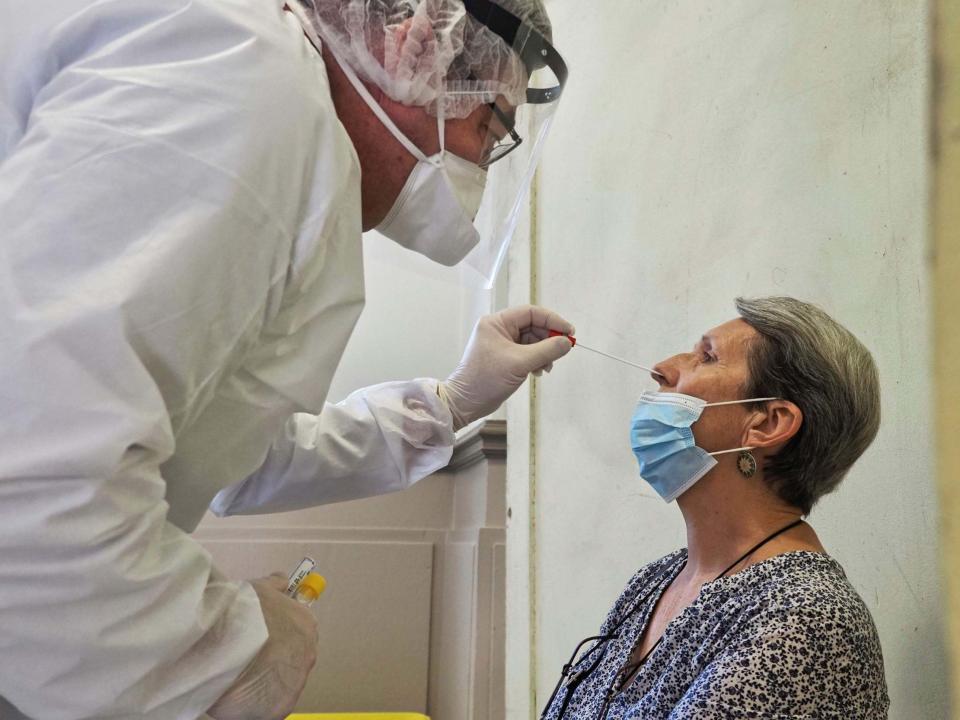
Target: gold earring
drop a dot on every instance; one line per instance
(746, 463)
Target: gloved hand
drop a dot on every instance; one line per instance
(503, 350)
(271, 684)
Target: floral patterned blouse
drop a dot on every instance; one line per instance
(785, 638)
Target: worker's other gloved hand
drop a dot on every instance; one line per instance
(271, 684)
(503, 350)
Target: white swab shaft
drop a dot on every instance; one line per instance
(618, 359)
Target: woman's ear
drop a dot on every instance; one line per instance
(773, 426)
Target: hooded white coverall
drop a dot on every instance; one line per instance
(180, 270)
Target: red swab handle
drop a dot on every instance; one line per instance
(571, 338)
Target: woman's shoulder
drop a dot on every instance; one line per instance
(802, 576)
(795, 614)
(804, 590)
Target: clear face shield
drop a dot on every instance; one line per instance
(515, 136)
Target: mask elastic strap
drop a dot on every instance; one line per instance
(724, 452)
(382, 114)
(736, 402)
(739, 402)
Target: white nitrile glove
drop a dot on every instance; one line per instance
(271, 684)
(503, 350)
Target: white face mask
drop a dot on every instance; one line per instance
(434, 213)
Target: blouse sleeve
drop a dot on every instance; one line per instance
(820, 662)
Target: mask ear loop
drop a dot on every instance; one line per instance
(725, 452)
(740, 402)
(737, 402)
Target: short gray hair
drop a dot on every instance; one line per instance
(805, 356)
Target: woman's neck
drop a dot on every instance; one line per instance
(727, 515)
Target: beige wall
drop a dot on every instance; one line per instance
(946, 221)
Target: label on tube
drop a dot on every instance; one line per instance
(305, 567)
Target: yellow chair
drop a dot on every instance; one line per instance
(357, 716)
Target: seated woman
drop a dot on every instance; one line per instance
(753, 619)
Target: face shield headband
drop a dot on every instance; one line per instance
(517, 135)
(535, 51)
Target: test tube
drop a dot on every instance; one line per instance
(304, 585)
(305, 567)
(310, 588)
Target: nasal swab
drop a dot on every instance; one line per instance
(618, 359)
(577, 343)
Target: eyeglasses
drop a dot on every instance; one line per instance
(577, 670)
(571, 676)
(503, 147)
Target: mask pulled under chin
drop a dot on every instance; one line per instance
(661, 434)
(434, 213)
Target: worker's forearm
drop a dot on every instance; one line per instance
(379, 440)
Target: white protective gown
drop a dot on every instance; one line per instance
(180, 270)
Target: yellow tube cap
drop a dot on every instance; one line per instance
(312, 585)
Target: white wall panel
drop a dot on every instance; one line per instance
(374, 617)
(413, 616)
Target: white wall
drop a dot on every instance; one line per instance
(706, 150)
(416, 321)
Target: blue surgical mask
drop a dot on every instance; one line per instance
(663, 442)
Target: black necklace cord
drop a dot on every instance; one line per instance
(751, 551)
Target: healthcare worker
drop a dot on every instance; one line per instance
(183, 187)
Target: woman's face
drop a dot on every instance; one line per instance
(714, 370)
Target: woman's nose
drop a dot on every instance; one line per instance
(665, 374)
(671, 370)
